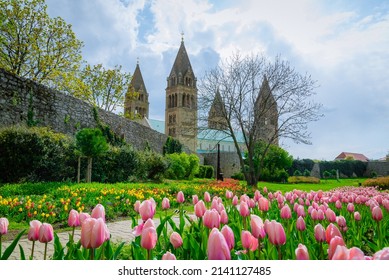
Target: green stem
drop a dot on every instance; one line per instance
(279, 252)
(44, 256)
(92, 253)
(259, 248)
(379, 236)
(73, 232)
(321, 251)
(32, 250)
(149, 254)
(0, 244)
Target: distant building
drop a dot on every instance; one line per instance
(354, 156)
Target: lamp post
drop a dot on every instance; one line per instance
(219, 175)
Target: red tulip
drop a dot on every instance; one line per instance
(275, 233)
(168, 257)
(211, 219)
(200, 209)
(320, 233)
(93, 233)
(257, 227)
(176, 240)
(228, 236)
(301, 252)
(377, 213)
(46, 233)
(180, 197)
(74, 218)
(217, 246)
(3, 226)
(33, 232)
(286, 213)
(165, 203)
(98, 212)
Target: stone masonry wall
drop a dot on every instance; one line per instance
(379, 167)
(229, 163)
(64, 113)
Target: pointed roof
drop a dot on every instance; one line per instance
(181, 64)
(217, 103)
(137, 80)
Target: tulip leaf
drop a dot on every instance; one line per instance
(11, 247)
(58, 248)
(117, 251)
(22, 255)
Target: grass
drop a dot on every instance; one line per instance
(324, 185)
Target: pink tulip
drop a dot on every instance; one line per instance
(148, 238)
(257, 195)
(223, 217)
(265, 189)
(168, 257)
(385, 203)
(207, 197)
(165, 203)
(229, 194)
(286, 213)
(301, 252)
(340, 253)
(377, 213)
(228, 236)
(338, 204)
(211, 219)
(341, 221)
(331, 232)
(3, 226)
(74, 218)
(263, 204)
(195, 199)
(83, 216)
(382, 254)
(275, 233)
(93, 233)
(33, 232)
(350, 207)
(235, 200)
(314, 214)
(244, 209)
(320, 215)
(257, 227)
(300, 211)
(357, 216)
(334, 243)
(98, 212)
(176, 240)
(356, 254)
(300, 224)
(330, 215)
(46, 233)
(180, 197)
(249, 241)
(217, 246)
(136, 206)
(320, 233)
(147, 209)
(200, 209)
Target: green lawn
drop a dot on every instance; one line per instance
(324, 185)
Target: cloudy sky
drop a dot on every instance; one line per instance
(344, 45)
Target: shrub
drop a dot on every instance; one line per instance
(238, 176)
(307, 173)
(182, 166)
(303, 179)
(152, 166)
(172, 146)
(297, 173)
(381, 182)
(205, 171)
(35, 154)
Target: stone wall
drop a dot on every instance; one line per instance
(379, 167)
(22, 100)
(229, 163)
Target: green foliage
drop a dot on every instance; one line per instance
(90, 142)
(111, 137)
(348, 168)
(152, 166)
(182, 166)
(300, 165)
(307, 173)
(238, 176)
(35, 154)
(205, 171)
(118, 164)
(297, 173)
(35, 46)
(172, 146)
(272, 162)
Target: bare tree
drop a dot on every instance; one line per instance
(263, 100)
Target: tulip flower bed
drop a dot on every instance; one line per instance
(226, 222)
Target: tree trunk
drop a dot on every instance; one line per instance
(89, 170)
(78, 169)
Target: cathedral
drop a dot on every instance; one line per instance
(181, 110)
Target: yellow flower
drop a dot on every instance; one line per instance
(35, 212)
(20, 209)
(39, 206)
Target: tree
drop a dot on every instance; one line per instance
(239, 81)
(104, 88)
(172, 146)
(35, 46)
(90, 143)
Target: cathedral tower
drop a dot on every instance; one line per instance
(136, 103)
(181, 101)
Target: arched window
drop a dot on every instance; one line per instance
(175, 100)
